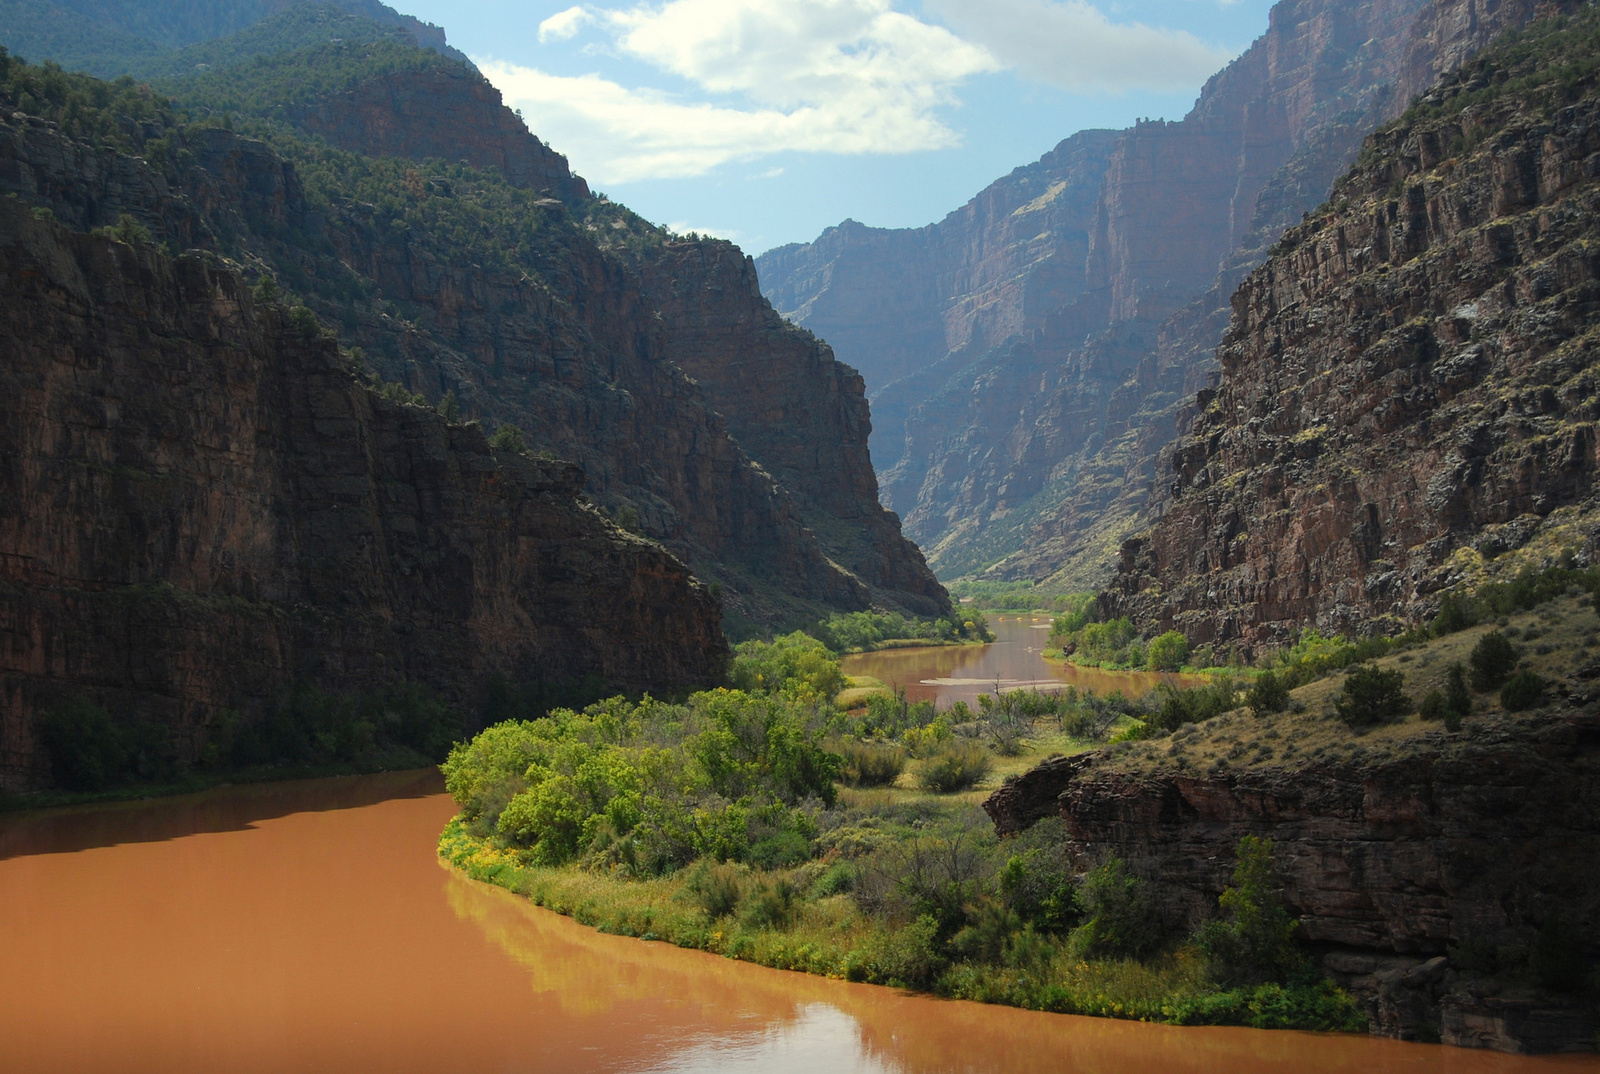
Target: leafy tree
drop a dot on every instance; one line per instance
(1168, 651)
(1254, 943)
(1268, 693)
(794, 665)
(1119, 914)
(1372, 696)
(508, 438)
(1493, 659)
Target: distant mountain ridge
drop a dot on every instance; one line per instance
(1030, 357)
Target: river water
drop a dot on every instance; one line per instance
(1013, 661)
(309, 927)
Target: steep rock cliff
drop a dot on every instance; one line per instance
(1412, 370)
(801, 415)
(203, 506)
(1034, 458)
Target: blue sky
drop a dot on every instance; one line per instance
(765, 121)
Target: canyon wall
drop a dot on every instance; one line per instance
(531, 309)
(204, 506)
(1407, 384)
(1034, 452)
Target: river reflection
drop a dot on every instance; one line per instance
(310, 927)
(952, 673)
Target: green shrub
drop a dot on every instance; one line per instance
(1119, 914)
(1268, 693)
(126, 230)
(1180, 706)
(305, 322)
(508, 438)
(1372, 696)
(85, 745)
(955, 768)
(1167, 652)
(1454, 615)
(868, 765)
(1254, 943)
(716, 889)
(1524, 690)
(793, 665)
(1036, 881)
(781, 850)
(1433, 706)
(1493, 659)
(769, 906)
(907, 956)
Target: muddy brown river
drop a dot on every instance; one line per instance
(1013, 661)
(309, 927)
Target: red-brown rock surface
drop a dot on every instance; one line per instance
(1412, 373)
(200, 507)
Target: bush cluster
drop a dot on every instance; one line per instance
(649, 785)
(854, 632)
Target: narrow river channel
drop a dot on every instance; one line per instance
(1013, 661)
(309, 927)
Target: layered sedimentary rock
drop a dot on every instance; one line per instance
(202, 506)
(1392, 866)
(1035, 455)
(1412, 374)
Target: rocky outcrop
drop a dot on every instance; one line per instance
(444, 110)
(202, 506)
(1412, 371)
(1393, 864)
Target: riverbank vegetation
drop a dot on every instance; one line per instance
(1021, 596)
(862, 632)
(762, 822)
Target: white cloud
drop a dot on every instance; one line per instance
(683, 227)
(834, 76)
(563, 25)
(1071, 43)
(753, 78)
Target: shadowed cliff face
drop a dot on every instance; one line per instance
(561, 338)
(1409, 377)
(1034, 452)
(790, 406)
(200, 507)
